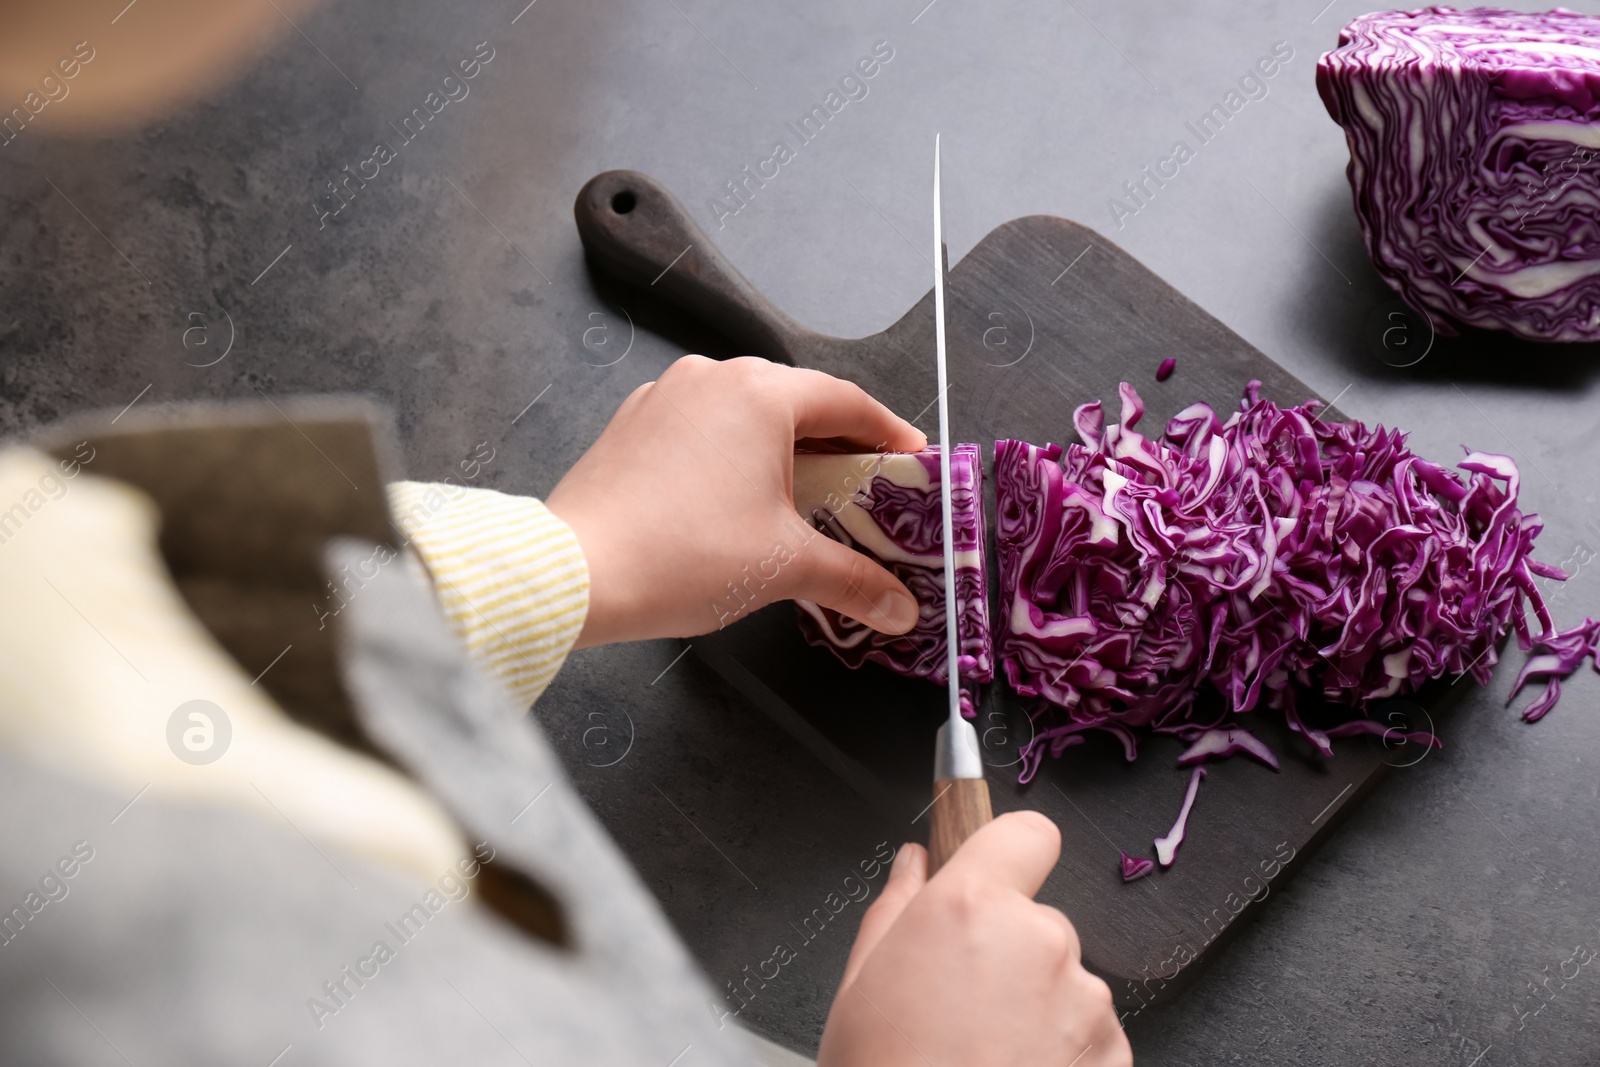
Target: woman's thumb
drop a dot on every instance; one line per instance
(841, 578)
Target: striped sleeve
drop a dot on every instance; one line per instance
(510, 576)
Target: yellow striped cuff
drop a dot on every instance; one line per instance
(509, 574)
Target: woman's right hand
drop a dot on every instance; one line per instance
(965, 968)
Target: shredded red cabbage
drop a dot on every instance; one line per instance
(1271, 553)
(1164, 371)
(889, 508)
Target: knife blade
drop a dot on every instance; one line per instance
(960, 793)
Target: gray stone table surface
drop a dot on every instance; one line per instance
(453, 288)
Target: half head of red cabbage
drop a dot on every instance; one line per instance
(1473, 162)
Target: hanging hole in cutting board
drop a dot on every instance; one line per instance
(624, 202)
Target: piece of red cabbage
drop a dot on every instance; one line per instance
(1135, 867)
(1472, 160)
(1224, 743)
(1554, 657)
(1260, 557)
(1167, 847)
(1164, 371)
(1387, 734)
(888, 507)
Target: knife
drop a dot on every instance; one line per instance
(960, 794)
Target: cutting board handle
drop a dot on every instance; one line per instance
(637, 232)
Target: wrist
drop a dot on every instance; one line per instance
(603, 618)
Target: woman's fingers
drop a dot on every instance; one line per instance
(843, 579)
(829, 407)
(906, 878)
(1018, 849)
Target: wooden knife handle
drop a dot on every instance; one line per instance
(960, 809)
(637, 232)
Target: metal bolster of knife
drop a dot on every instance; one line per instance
(955, 752)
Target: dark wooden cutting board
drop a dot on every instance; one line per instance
(1043, 315)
